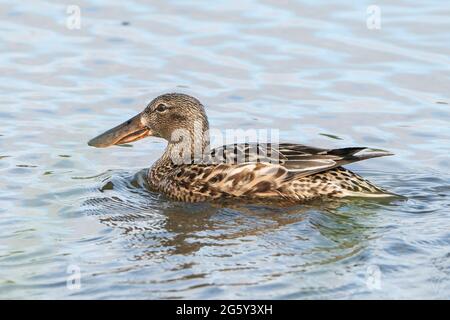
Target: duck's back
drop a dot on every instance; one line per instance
(290, 172)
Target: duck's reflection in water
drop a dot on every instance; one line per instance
(155, 227)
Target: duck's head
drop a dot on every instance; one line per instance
(167, 116)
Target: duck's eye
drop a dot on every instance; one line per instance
(161, 107)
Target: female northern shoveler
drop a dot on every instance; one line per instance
(254, 171)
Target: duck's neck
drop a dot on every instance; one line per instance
(187, 146)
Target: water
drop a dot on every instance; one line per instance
(311, 69)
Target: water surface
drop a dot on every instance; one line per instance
(311, 69)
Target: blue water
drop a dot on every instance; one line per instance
(311, 69)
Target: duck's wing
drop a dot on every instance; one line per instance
(299, 160)
(304, 160)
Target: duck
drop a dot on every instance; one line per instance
(190, 171)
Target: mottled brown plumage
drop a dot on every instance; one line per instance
(250, 171)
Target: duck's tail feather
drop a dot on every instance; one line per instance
(355, 154)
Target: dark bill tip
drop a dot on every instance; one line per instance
(98, 142)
